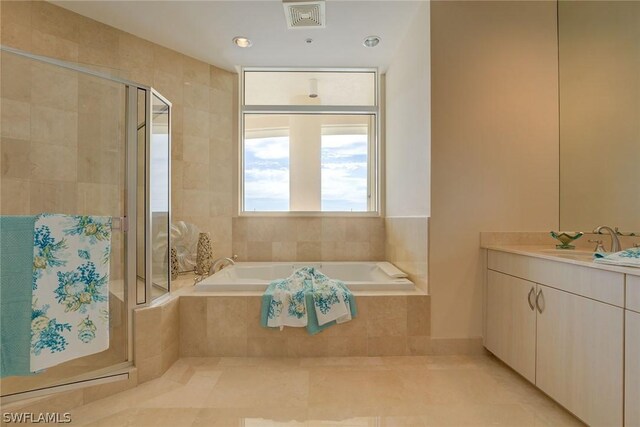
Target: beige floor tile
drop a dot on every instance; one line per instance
(332, 391)
(250, 387)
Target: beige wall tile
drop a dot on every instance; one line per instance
(308, 251)
(193, 177)
(307, 346)
(149, 369)
(193, 330)
(196, 150)
(386, 316)
(16, 161)
(43, 43)
(387, 346)
(347, 346)
(16, 78)
(55, 20)
(14, 34)
(227, 346)
(226, 317)
(53, 196)
(146, 334)
(419, 315)
(284, 251)
(54, 126)
(195, 71)
(196, 96)
(267, 347)
(195, 123)
(16, 196)
(15, 119)
(53, 162)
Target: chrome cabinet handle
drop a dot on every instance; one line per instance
(531, 292)
(540, 308)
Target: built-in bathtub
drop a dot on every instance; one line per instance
(256, 276)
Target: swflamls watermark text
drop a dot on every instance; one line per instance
(35, 418)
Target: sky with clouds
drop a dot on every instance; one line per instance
(343, 173)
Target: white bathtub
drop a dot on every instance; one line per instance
(256, 276)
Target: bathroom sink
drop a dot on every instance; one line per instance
(580, 255)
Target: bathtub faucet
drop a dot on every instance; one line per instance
(216, 266)
(220, 262)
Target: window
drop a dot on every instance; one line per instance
(309, 141)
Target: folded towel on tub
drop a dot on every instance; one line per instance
(70, 296)
(16, 273)
(308, 299)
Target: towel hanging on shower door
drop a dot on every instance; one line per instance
(70, 296)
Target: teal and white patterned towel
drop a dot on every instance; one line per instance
(627, 258)
(287, 302)
(70, 295)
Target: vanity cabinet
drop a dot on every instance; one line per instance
(569, 339)
(632, 353)
(632, 369)
(579, 355)
(511, 322)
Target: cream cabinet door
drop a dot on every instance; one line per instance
(632, 370)
(580, 355)
(511, 322)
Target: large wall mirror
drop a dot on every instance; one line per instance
(599, 84)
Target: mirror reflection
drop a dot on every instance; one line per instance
(599, 86)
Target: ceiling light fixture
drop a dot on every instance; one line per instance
(371, 41)
(313, 88)
(242, 41)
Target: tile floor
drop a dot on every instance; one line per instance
(355, 391)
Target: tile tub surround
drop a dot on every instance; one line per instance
(387, 325)
(155, 338)
(416, 391)
(308, 239)
(406, 241)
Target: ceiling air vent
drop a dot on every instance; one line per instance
(304, 14)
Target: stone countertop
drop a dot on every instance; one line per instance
(575, 257)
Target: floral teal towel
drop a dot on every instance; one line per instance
(70, 296)
(16, 262)
(308, 299)
(627, 258)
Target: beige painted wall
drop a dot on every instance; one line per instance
(407, 122)
(599, 114)
(408, 150)
(494, 143)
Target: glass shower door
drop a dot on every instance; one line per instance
(159, 194)
(64, 151)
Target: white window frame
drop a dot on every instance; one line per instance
(374, 161)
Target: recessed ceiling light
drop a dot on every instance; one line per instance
(371, 41)
(242, 42)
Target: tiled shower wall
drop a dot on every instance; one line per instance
(201, 94)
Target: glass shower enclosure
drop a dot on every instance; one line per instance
(80, 142)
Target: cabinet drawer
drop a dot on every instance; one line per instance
(633, 293)
(601, 285)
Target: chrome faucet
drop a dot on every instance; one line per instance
(219, 263)
(216, 266)
(615, 242)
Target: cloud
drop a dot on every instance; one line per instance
(268, 148)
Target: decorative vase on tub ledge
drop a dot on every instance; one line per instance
(204, 255)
